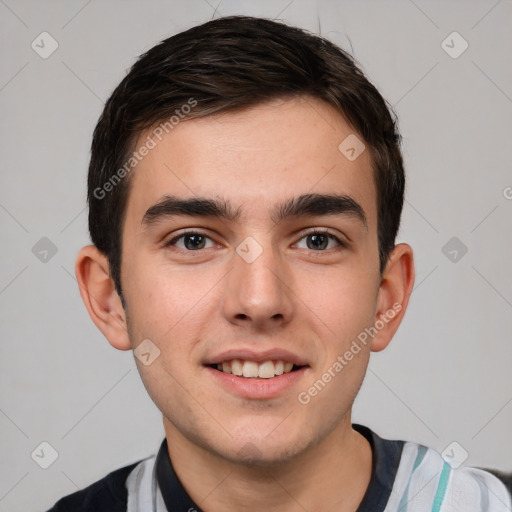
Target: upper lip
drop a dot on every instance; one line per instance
(257, 356)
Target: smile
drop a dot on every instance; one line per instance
(252, 369)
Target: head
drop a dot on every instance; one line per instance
(249, 133)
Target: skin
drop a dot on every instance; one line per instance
(232, 452)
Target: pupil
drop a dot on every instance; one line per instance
(196, 243)
(315, 242)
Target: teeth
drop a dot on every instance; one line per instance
(266, 370)
(251, 369)
(236, 367)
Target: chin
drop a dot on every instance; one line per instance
(263, 450)
(262, 455)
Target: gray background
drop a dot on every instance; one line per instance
(446, 376)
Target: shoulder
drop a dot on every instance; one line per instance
(506, 478)
(427, 479)
(106, 495)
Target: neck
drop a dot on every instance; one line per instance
(332, 475)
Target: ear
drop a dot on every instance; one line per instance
(100, 297)
(395, 290)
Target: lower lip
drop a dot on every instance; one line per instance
(256, 388)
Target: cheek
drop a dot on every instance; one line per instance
(170, 307)
(165, 299)
(166, 308)
(341, 301)
(173, 390)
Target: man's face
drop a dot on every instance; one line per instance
(258, 288)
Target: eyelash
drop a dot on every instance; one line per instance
(315, 231)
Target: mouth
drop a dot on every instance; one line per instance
(257, 375)
(256, 370)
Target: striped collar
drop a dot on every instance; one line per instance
(385, 462)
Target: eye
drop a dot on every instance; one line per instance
(318, 240)
(192, 241)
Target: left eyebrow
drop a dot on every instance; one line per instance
(302, 206)
(319, 205)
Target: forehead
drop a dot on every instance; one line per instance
(254, 159)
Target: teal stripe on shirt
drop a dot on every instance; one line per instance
(441, 488)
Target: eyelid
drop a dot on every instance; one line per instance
(187, 232)
(324, 231)
(302, 235)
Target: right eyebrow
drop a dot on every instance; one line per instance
(172, 206)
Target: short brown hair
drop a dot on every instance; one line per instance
(229, 64)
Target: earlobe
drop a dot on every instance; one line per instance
(100, 297)
(394, 293)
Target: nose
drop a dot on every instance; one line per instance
(258, 291)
